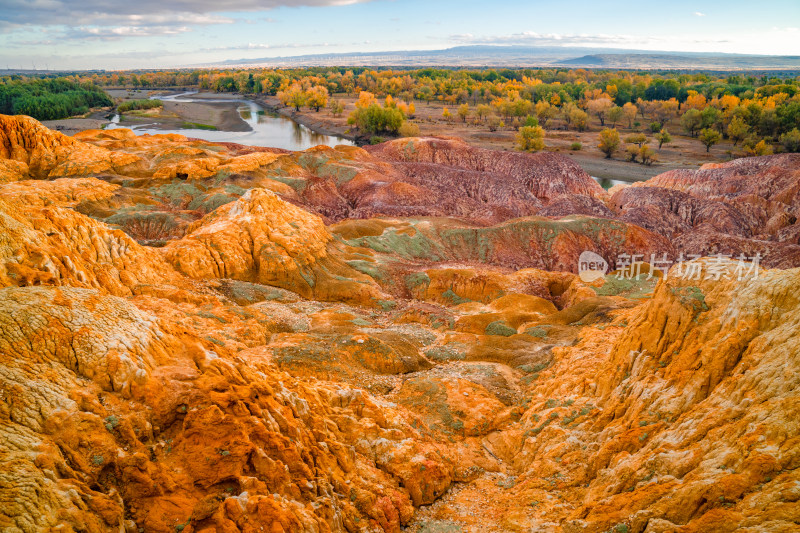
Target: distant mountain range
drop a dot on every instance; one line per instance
(528, 56)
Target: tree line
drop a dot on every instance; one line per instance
(50, 99)
(746, 108)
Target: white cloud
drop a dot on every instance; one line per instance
(776, 41)
(144, 17)
(553, 39)
(698, 14)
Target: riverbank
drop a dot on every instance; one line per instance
(616, 169)
(71, 126)
(222, 116)
(321, 123)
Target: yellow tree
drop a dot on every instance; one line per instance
(463, 112)
(578, 118)
(709, 137)
(695, 101)
(545, 111)
(317, 97)
(530, 138)
(615, 115)
(293, 96)
(630, 110)
(663, 137)
(609, 142)
(336, 107)
(365, 99)
(599, 107)
(738, 130)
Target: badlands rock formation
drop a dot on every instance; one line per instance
(207, 337)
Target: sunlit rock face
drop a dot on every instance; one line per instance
(209, 337)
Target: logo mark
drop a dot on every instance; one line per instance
(591, 266)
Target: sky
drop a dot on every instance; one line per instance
(101, 34)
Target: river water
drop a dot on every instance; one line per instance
(266, 128)
(607, 183)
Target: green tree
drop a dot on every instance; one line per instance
(663, 137)
(691, 121)
(615, 114)
(609, 142)
(738, 130)
(636, 138)
(336, 107)
(483, 111)
(791, 140)
(709, 137)
(376, 119)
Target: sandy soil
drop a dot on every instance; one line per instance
(175, 115)
(71, 126)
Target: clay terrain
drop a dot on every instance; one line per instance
(209, 337)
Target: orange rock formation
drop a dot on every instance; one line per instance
(189, 343)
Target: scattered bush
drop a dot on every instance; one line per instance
(131, 105)
(791, 140)
(408, 129)
(498, 327)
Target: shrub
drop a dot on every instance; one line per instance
(498, 327)
(647, 155)
(791, 140)
(409, 129)
(139, 104)
(575, 146)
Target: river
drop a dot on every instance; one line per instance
(266, 128)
